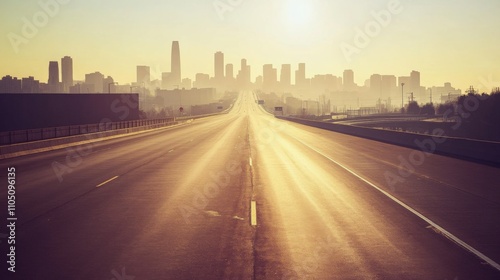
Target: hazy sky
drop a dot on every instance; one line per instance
(455, 41)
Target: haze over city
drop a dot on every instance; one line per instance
(249, 139)
(446, 42)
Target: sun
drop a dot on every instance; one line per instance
(298, 13)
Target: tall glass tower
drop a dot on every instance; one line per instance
(176, 64)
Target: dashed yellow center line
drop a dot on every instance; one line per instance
(105, 182)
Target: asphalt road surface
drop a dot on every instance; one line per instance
(246, 196)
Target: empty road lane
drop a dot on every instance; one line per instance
(246, 196)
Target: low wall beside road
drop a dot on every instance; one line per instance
(24, 142)
(469, 149)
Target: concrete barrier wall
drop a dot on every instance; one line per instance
(24, 148)
(21, 142)
(21, 136)
(476, 150)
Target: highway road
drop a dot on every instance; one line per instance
(247, 196)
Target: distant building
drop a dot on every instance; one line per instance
(244, 75)
(328, 82)
(10, 84)
(286, 76)
(175, 64)
(444, 94)
(54, 85)
(143, 76)
(230, 81)
(166, 80)
(53, 73)
(97, 80)
(269, 77)
(375, 85)
(414, 81)
(415, 87)
(174, 99)
(186, 83)
(229, 71)
(66, 73)
(202, 81)
(348, 80)
(388, 86)
(219, 67)
(406, 81)
(109, 85)
(83, 88)
(30, 85)
(259, 81)
(300, 75)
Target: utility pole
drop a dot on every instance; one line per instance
(402, 97)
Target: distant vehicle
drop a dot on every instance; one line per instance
(278, 111)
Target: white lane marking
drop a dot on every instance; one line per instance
(250, 161)
(253, 213)
(105, 182)
(443, 231)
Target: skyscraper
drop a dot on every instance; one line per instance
(348, 80)
(300, 75)
(67, 73)
(175, 64)
(53, 73)
(286, 75)
(415, 80)
(376, 85)
(269, 77)
(219, 67)
(244, 76)
(229, 71)
(143, 75)
(389, 86)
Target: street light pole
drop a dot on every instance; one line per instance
(402, 97)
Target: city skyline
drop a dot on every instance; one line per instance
(378, 87)
(450, 43)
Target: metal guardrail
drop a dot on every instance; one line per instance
(29, 135)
